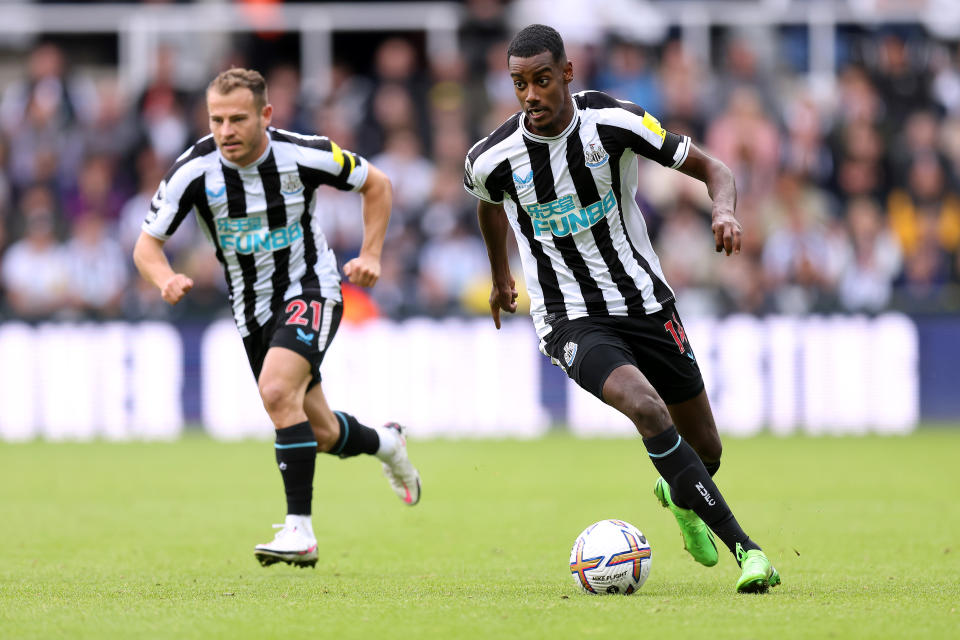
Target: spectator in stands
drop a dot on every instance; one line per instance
(682, 84)
(284, 82)
(97, 273)
(679, 244)
(801, 261)
(747, 140)
(747, 64)
(410, 173)
(870, 262)
(483, 26)
(33, 269)
(162, 110)
(923, 286)
(803, 151)
(396, 64)
(919, 137)
(945, 85)
(902, 77)
(927, 210)
(97, 189)
(449, 263)
(70, 99)
(628, 73)
(113, 130)
(42, 149)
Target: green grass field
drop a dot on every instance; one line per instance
(155, 540)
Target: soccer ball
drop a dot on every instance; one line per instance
(610, 556)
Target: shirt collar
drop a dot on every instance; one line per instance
(574, 121)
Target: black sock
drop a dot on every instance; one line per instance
(711, 467)
(354, 438)
(683, 470)
(296, 450)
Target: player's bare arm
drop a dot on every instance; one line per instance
(153, 265)
(377, 194)
(493, 227)
(722, 189)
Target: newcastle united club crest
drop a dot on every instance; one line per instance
(595, 155)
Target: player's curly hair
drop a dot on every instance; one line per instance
(535, 39)
(237, 78)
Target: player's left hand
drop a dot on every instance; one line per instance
(363, 270)
(726, 233)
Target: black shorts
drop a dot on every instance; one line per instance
(589, 349)
(305, 324)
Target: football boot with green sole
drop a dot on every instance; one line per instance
(697, 537)
(757, 573)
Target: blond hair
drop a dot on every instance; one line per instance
(237, 78)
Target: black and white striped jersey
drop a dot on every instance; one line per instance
(260, 217)
(571, 203)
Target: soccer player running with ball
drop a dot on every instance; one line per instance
(253, 189)
(562, 173)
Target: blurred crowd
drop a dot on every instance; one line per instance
(849, 198)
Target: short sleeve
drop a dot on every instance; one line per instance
(651, 140)
(170, 204)
(324, 162)
(475, 183)
(354, 169)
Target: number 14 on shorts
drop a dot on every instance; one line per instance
(675, 329)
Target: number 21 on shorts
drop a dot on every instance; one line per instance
(297, 308)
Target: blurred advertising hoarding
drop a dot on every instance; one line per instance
(452, 378)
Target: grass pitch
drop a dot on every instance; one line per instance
(155, 541)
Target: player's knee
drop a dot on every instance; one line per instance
(278, 398)
(648, 413)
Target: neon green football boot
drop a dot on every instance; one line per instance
(758, 574)
(697, 537)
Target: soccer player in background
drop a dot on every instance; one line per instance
(253, 189)
(562, 173)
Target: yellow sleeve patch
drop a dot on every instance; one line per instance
(337, 153)
(653, 125)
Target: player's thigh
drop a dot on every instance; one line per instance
(306, 326)
(627, 390)
(595, 355)
(588, 352)
(663, 354)
(286, 368)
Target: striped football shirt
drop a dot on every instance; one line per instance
(260, 217)
(571, 203)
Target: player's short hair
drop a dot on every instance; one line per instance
(237, 78)
(535, 39)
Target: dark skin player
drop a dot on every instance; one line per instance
(542, 86)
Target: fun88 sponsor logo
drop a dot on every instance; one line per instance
(562, 217)
(251, 235)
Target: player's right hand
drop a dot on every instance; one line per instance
(175, 288)
(503, 297)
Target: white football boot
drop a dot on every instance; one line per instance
(294, 544)
(403, 477)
